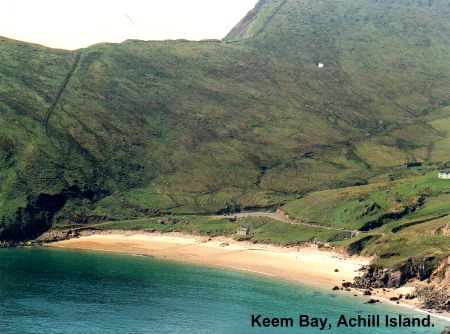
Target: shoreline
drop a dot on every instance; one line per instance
(305, 265)
(298, 264)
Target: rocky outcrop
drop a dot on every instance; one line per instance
(56, 235)
(46, 237)
(436, 294)
(445, 230)
(5, 244)
(394, 278)
(37, 216)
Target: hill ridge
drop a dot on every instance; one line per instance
(243, 28)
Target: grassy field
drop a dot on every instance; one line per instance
(261, 229)
(404, 219)
(364, 206)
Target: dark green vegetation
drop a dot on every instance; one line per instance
(119, 132)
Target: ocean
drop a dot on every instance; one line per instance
(65, 291)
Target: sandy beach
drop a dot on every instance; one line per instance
(306, 265)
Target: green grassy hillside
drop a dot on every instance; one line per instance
(401, 220)
(118, 131)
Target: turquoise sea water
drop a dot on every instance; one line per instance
(60, 291)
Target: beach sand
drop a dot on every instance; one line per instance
(307, 265)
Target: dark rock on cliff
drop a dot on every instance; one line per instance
(37, 216)
(4, 244)
(394, 278)
(436, 295)
(57, 235)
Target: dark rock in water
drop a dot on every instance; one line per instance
(372, 301)
(5, 244)
(347, 285)
(336, 288)
(394, 299)
(336, 270)
(367, 293)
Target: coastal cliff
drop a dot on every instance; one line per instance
(432, 283)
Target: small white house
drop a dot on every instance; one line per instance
(243, 231)
(444, 174)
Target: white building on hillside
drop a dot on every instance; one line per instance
(444, 174)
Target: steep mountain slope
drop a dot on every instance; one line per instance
(118, 131)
